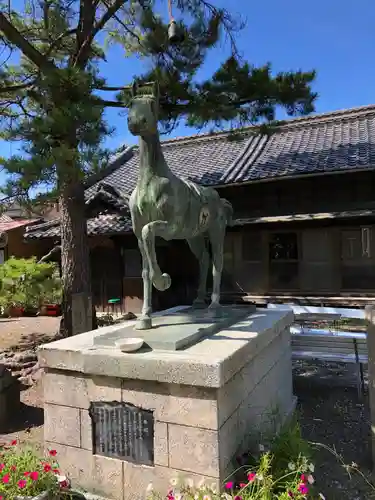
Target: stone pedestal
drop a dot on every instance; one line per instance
(206, 402)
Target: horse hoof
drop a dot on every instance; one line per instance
(199, 304)
(143, 323)
(163, 282)
(215, 308)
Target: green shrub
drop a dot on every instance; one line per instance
(24, 282)
(280, 470)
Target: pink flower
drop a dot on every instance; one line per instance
(21, 483)
(242, 485)
(5, 478)
(2, 467)
(303, 489)
(53, 453)
(290, 494)
(47, 468)
(237, 497)
(34, 476)
(303, 478)
(26, 474)
(251, 476)
(229, 485)
(56, 471)
(14, 442)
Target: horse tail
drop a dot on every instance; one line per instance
(228, 210)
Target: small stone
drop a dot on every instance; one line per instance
(129, 316)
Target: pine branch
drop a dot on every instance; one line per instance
(90, 29)
(15, 88)
(15, 37)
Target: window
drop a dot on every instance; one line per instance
(284, 265)
(357, 265)
(284, 246)
(356, 244)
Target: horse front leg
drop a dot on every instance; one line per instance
(144, 322)
(217, 235)
(161, 281)
(198, 247)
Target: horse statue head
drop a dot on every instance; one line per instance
(143, 109)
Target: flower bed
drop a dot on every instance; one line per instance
(24, 475)
(283, 470)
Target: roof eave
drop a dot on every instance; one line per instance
(291, 177)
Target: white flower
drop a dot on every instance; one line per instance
(213, 488)
(311, 467)
(261, 447)
(310, 479)
(207, 497)
(150, 488)
(260, 477)
(189, 482)
(322, 496)
(177, 496)
(196, 496)
(201, 484)
(62, 479)
(225, 496)
(174, 481)
(291, 466)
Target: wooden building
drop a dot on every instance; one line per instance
(304, 202)
(16, 245)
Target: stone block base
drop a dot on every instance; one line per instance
(243, 389)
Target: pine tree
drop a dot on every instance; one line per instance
(52, 99)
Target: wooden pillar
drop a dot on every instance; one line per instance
(370, 320)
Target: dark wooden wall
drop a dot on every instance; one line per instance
(117, 274)
(304, 258)
(305, 195)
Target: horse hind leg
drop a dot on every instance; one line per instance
(198, 247)
(217, 235)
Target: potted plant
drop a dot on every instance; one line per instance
(26, 476)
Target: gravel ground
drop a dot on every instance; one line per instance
(25, 333)
(330, 413)
(333, 414)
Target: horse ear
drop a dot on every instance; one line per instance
(134, 89)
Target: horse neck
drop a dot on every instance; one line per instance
(151, 158)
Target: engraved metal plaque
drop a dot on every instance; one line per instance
(121, 430)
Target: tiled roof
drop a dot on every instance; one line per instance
(337, 141)
(331, 142)
(7, 226)
(5, 218)
(203, 159)
(106, 225)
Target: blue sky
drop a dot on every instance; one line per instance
(335, 37)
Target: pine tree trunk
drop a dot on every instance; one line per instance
(77, 301)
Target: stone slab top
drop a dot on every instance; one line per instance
(179, 329)
(210, 362)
